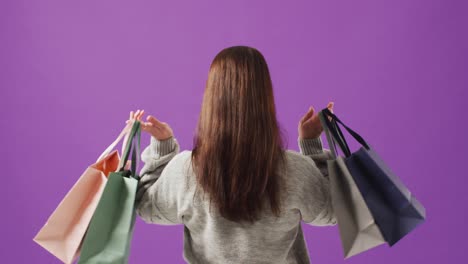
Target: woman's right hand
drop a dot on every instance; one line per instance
(157, 129)
(310, 126)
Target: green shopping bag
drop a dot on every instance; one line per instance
(110, 231)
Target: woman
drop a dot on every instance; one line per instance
(239, 194)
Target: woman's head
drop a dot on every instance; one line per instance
(238, 146)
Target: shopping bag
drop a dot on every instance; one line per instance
(65, 228)
(358, 229)
(396, 211)
(110, 232)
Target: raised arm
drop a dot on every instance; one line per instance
(156, 200)
(317, 208)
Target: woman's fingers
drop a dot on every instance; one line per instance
(136, 115)
(330, 106)
(145, 126)
(154, 126)
(311, 112)
(308, 114)
(154, 121)
(141, 114)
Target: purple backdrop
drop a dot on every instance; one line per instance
(70, 72)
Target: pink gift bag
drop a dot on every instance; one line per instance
(64, 230)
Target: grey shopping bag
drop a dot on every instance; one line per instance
(396, 211)
(358, 229)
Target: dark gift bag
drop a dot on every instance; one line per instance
(396, 211)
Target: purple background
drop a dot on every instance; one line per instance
(70, 72)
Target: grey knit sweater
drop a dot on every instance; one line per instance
(167, 187)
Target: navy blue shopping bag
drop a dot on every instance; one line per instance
(395, 210)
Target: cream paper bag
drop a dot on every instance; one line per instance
(63, 233)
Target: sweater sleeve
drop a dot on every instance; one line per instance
(319, 191)
(156, 198)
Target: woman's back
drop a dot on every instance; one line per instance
(210, 238)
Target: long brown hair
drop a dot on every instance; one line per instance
(239, 145)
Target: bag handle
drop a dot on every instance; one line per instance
(355, 135)
(330, 138)
(125, 132)
(136, 131)
(136, 153)
(338, 135)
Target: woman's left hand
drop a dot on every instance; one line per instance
(157, 129)
(310, 126)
